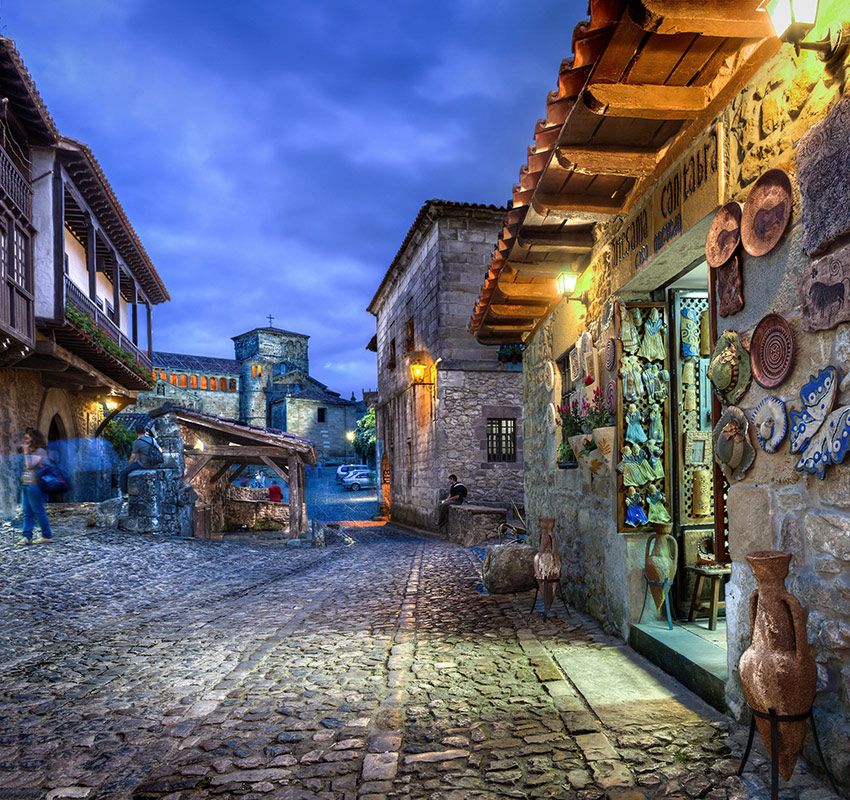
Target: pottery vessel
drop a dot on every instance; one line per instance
(662, 556)
(605, 438)
(778, 669)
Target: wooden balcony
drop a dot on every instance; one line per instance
(90, 334)
(15, 185)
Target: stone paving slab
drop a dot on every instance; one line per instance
(149, 669)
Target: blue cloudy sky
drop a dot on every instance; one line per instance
(272, 154)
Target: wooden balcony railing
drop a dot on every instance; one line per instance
(15, 185)
(77, 298)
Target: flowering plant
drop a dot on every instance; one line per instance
(594, 414)
(571, 419)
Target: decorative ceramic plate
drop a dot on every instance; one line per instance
(549, 376)
(767, 212)
(732, 447)
(729, 367)
(610, 355)
(772, 351)
(730, 288)
(724, 235)
(551, 417)
(771, 423)
(611, 397)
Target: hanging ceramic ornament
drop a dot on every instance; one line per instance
(551, 417)
(731, 444)
(549, 376)
(771, 351)
(771, 423)
(730, 288)
(652, 344)
(690, 332)
(724, 235)
(767, 212)
(729, 368)
(688, 373)
(610, 355)
(701, 493)
(704, 335)
(819, 434)
(611, 397)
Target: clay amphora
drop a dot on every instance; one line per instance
(547, 562)
(662, 558)
(778, 669)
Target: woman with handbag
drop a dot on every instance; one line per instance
(32, 500)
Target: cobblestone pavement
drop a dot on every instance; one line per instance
(327, 501)
(135, 667)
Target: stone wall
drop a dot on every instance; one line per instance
(220, 404)
(328, 437)
(431, 429)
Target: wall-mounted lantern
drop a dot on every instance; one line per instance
(566, 285)
(419, 373)
(794, 19)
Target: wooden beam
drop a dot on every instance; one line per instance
(226, 467)
(238, 452)
(578, 203)
(646, 101)
(608, 160)
(578, 241)
(725, 18)
(196, 468)
(516, 311)
(277, 468)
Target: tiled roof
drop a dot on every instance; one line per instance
(191, 363)
(431, 209)
(31, 97)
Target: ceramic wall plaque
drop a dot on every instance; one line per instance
(610, 355)
(549, 376)
(575, 365)
(771, 351)
(611, 397)
(698, 448)
(820, 434)
(724, 235)
(729, 368)
(770, 421)
(730, 287)
(733, 450)
(823, 172)
(767, 212)
(824, 289)
(689, 325)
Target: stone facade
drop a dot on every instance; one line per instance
(774, 507)
(437, 425)
(268, 384)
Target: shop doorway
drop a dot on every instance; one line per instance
(57, 449)
(695, 649)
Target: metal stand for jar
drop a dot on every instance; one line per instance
(775, 719)
(560, 594)
(665, 587)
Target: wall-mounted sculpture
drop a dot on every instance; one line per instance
(767, 212)
(729, 368)
(770, 421)
(610, 355)
(824, 289)
(689, 324)
(771, 351)
(652, 345)
(629, 329)
(635, 515)
(724, 235)
(730, 287)
(820, 434)
(732, 447)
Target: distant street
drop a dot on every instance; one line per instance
(327, 501)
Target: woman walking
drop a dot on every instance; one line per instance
(32, 500)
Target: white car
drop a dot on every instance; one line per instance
(355, 481)
(347, 469)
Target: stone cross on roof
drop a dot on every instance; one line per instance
(271, 320)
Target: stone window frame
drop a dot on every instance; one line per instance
(321, 415)
(502, 435)
(480, 430)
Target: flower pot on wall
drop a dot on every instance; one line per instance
(778, 669)
(576, 444)
(605, 438)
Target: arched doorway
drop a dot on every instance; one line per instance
(57, 448)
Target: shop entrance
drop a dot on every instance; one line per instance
(695, 649)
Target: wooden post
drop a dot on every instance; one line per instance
(135, 314)
(294, 499)
(302, 482)
(91, 258)
(150, 328)
(116, 291)
(58, 242)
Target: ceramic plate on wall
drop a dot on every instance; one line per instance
(724, 235)
(767, 212)
(772, 351)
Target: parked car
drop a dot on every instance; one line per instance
(355, 481)
(346, 469)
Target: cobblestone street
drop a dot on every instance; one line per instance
(136, 667)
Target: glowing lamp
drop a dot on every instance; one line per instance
(199, 445)
(418, 372)
(350, 436)
(793, 19)
(566, 283)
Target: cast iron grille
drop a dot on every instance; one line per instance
(501, 439)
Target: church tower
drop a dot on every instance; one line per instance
(262, 354)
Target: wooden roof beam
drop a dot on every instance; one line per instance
(630, 162)
(579, 241)
(515, 311)
(528, 292)
(647, 101)
(735, 19)
(578, 203)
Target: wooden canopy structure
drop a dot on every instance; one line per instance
(219, 450)
(645, 79)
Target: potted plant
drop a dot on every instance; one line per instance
(600, 424)
(572, 434)
(565, 456)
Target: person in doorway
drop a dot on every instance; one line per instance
(275, 493)
(33, 447)
(457, 494)
(145, 454)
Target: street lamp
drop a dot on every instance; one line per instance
(793, 19)
(418, 372)
(566, 285)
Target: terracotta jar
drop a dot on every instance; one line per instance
(662, 558)
(778, 669)
(547, 561)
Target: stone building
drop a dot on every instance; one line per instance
(648, 137)
(446, 404)
(77, 292)
(268, 384)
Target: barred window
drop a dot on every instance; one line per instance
(409, 336)
(4, 252)
(501, 439)
(19, 258)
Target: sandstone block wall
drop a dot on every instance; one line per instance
(329, 437)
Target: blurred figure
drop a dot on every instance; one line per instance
(33, 447)
(275, 494)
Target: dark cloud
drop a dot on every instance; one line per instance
(272, 154)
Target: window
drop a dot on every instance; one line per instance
(232, 384)
(501, 439)
(184, 381)
(322, 414)
(173, 379)
(391, 354)
(4, 252)
(193, 382)
(253, 370)
(19, 258)
(213, 384)
(409, 336)
(65, 267)
(110, 311)
(163, 376)
(204, 383)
